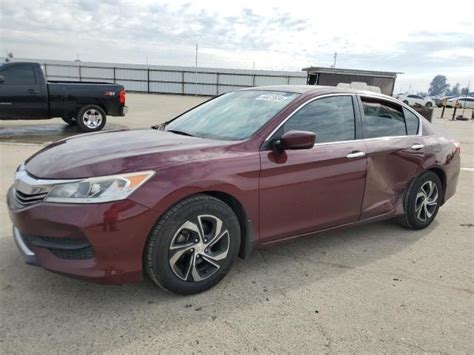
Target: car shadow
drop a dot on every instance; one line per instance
(267, 274)
(40, 133)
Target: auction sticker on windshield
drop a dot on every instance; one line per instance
(272, 97)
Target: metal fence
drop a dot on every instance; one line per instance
(168, 79)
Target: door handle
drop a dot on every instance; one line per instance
(354, 155)
(32, 91)
(417, 146)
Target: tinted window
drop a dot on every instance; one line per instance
(330, 118)
(412, 122)
(382, 119)
(18, 75)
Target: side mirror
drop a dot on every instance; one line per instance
(295, 140)
(2, 79)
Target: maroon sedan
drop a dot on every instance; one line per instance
(182, 200)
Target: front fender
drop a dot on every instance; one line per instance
(237, 180)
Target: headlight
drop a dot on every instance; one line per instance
(98, 189)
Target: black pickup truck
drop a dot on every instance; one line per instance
(25, 94)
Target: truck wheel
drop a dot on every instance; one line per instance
(71, 121)
(91, 118)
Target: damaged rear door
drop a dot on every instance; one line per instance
(395, 152)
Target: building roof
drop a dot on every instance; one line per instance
(385, 74)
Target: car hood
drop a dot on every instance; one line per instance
(115, 152)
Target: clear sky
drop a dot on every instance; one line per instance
(419, 38)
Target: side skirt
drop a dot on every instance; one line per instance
(383, 217)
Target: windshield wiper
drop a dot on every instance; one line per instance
(180, 132)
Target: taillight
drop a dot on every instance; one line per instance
(122, 97)
(458, 147)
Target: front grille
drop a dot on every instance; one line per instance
(73, 254)
(29, 199)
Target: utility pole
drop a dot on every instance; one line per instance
(465, 98)
(196, 72)
(335, 59)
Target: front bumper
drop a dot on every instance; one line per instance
(97, 242)
(28, 254)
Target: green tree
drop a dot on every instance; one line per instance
(465, 91)
(455, 90)
(438, 85)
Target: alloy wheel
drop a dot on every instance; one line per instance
(92, 118)
(199, 248)
(426, 201)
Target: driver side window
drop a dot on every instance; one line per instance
(18, 74)
(332, 119)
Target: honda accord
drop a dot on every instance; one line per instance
(181, 200)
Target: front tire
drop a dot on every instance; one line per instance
(422, 201)
(406, 102)
(193, 245)
(91, 118)
(429, 104)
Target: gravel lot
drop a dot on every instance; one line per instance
(374, 288)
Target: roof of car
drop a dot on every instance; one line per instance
(302, 89)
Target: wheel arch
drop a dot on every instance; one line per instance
(442, 177)
(435, 169)
(247, 237)
(92, 102)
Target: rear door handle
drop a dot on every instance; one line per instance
(417, 146)
(356, 154)
(32, 91)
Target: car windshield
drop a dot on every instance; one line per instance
(232, 116)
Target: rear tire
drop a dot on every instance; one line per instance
(429, 104)
(193, 245)
(422, 201)
(91, 118)
(71, 121)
